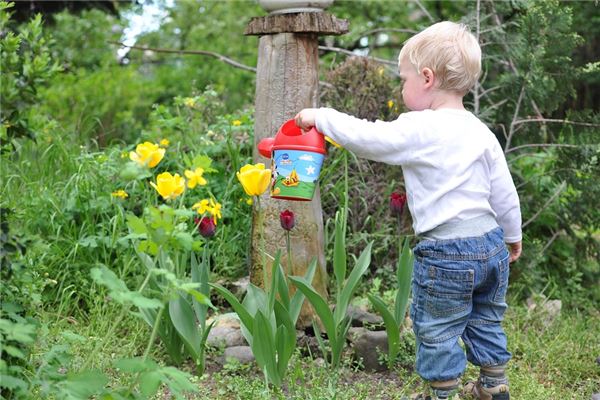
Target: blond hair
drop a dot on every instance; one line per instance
(450, 51)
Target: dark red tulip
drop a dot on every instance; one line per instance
(287, 220)
(206, 226)
(397, 203)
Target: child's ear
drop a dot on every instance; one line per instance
(429, 77)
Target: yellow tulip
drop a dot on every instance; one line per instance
(169, 186)
(254, 178)
(390, 104)
(236, 122)
(195, 177)
(147, 154)
(164, 143)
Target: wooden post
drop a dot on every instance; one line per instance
(287, 81)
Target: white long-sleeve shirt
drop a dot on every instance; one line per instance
(454, 168)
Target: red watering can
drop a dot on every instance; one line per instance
(296, 160)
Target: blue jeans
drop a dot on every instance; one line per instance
(459, 289)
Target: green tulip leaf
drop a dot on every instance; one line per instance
(319, 304)
(245, 318)
(184, 321)
(298, 297)
(391, 327)
(359, 269)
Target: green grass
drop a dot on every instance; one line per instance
(550, 361)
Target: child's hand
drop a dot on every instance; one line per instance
(305, 119)
(515, 251)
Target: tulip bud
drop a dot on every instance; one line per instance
(397, 202)
(206, 226)
(287, 220)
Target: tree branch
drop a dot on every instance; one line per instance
(379, 30)
(552, 239)
(563, 121)
(524, 146)
(422, 7)
(218, 56)
(349, 53)
(511, 128)
(550, 200)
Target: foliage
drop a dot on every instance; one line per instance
(528, 48)
(81, 41)
(336, 323)
(217, 27)
(394, 321)
(27, 66)
(360, 87)
(269, 323)
(71, 111)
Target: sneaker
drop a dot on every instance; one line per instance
(478, 391)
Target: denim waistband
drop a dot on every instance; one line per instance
(461, 229)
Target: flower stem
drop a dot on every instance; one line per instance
(289, 253)
(154, 332)
(261, 234)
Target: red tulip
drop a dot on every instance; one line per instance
(397, 203)
(206, 226)
(287, 220)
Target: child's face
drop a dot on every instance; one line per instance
(414, 95)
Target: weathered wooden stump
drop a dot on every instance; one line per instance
(287, 81)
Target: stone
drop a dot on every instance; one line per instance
(596, 396)
(308, 345)
(224, 336)
(361, 317)
(228, 320)
(242, 354)
(548, 309)
(368, 346)
(552, 309)
(320, 362)
(240, 287)
(598, 361)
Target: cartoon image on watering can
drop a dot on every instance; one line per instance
(296, 160)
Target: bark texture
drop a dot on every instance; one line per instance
(307, 22)
(287, 81)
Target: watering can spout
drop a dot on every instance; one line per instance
(265, 147)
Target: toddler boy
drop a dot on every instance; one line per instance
(463, 203)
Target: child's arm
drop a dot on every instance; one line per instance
(382, 141)
(505, 202)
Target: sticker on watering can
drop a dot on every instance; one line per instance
(295, 174)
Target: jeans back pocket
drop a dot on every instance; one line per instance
(449, 291)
